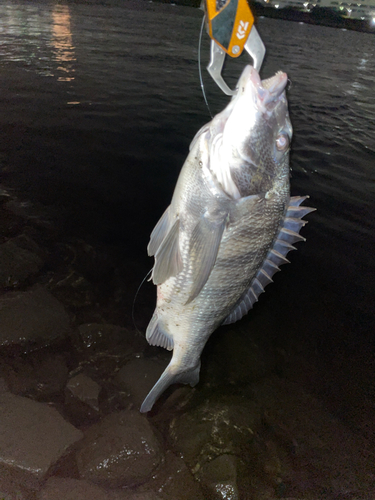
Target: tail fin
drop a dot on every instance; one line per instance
(169, 377)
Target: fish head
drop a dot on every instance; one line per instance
(250, 139)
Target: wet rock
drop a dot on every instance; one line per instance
(174, 480)
(317, 453)
(25, 241)
(106, 347)
(112, 399)
(139, 496)
(85, 389)
(82, 400)
(31, 316)
(10, 224)
(219, 478)
(121, 450)
(41, 376)
(74, 289)
(77, 489)
(138, 376)
(4, 195)
(3, 388)
(220, 425)
(23, 209)
(17, 264)
(72, 489)
(93, 262)
(16, 486)
(173, 401)
(33, 436)
(95, 338)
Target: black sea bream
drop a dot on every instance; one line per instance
(229, 226)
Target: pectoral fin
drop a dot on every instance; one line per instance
(159, 232)
(204, 246)
(168, 260)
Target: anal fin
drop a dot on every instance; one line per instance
(157, 336)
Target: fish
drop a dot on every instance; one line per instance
(229, 227)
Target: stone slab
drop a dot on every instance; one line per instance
(17, 264)
(57, 488)
(85, 389)
(31, 316)
(33, 436)
(120, 450)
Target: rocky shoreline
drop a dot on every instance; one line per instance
(73, 375)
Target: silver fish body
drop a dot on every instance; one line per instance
(230, 224)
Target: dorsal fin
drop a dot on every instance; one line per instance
(288, 234)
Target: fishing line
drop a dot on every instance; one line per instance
(200, 68)
(135, 298)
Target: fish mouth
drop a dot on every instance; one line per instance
(276, 84)
(266, 91)
(254, 98)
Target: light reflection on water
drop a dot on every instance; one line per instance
(40, 37)
(62, 42)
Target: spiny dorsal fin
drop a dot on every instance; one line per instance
(288, 234)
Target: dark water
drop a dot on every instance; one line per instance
(98, 105)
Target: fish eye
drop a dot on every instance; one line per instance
(282, 142)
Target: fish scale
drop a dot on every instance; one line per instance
(229, 227)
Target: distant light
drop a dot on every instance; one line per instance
(373, 20)
(277, 6)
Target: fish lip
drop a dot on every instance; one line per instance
(266, 91)
(276, 84)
